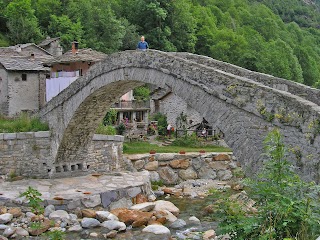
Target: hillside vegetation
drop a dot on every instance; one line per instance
(278, 37)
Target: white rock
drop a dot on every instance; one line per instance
(94, 234)
(3, 227)
(22, 232)
(75, 228)
(194, 219)
(210, 234)
(30, 214)
(114, 225)
(170, 217)
(179, 223)
(156, 229)
(9, 231)
(145, 207)
(102, 215)
(90, 223)
(59, 215)
(73, 218)
(162, 205)
(5, 218)
(113, 217)
(49, 209)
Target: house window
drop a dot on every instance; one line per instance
(24, 77)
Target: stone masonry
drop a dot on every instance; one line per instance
(172, 168)
(244, 104)
(29, 155)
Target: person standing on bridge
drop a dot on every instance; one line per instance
(142, 45)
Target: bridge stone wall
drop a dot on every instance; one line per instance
(29, 155)
(245, 109)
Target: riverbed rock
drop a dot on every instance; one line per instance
(152, 166)
(114, 225)
(130, 216)
(111, 234)
(3, 238)
(45, 225)
(166, 205)
(168, 175)
(89, 213)
(75, 228)
(194, 219)
(49, 209)
(3, 226)
(141, 198)
(21, 232)
(16, 212)
(102, 215)
(179, 223)
(89, 223)
(157, 229)
(205, 172)
(165, 214)
(91, 201)
(3, 210)
(180, 163)
(5, 218)
(188, 174)
(210, 234)
(8, 232)
(59, 215)
(144, 207)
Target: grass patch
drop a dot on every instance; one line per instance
(106, 130)
(23, 123)
(145, 147)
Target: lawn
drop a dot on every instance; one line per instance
(23, 123)
(145, 147)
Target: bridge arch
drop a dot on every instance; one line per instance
(245, 109)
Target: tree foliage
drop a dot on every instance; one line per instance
(278, 37)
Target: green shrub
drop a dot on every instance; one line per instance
(106, 130)
(141, 93)
(121, 128)
(55, 235)
(33, 196)
(287, 206)
(110, 118)
(162, 123)
(187, 141)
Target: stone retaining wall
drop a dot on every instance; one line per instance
(29, 154)
(173, 168)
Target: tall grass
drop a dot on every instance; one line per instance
(23, 123)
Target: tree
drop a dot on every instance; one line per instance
(22, 23)
(68, 31)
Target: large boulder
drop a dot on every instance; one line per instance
(157, 229)
(162, 205)
(152, 166)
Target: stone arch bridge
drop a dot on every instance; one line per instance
(245, 104)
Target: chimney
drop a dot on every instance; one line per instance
(74, 47)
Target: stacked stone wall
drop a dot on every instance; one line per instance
(29, 155)
(173, 168)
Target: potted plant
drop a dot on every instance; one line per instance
(202, 151)
(152, 151)
(182, 152)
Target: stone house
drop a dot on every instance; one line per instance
(22, 85)
(52, 45)
(22, 78)
(178, 112)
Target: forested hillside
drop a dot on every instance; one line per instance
(279, 37)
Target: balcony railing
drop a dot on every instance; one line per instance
(135, 104)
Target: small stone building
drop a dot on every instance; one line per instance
(22, 78)
(52, 45)
(22, 85)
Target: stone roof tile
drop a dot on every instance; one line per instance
(22, 64)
